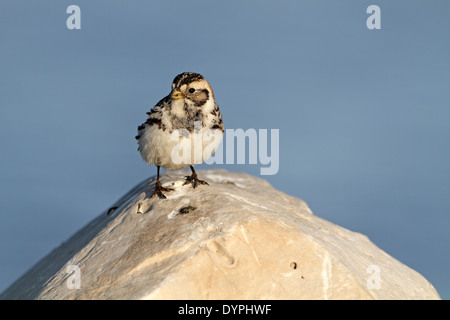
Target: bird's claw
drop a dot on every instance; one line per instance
(194, 181)
(159, 191)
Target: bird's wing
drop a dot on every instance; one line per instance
(154, 115)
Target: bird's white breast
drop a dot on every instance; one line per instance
(166, 146)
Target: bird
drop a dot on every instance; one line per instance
(174, 126)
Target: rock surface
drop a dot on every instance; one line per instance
(236, 239)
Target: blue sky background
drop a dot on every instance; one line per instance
(364, 116)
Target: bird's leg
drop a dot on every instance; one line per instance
(159, 188)
(193, 179)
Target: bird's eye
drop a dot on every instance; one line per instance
(191, 90)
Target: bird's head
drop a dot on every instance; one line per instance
(193, 88)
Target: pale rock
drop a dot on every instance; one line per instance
(237, 238)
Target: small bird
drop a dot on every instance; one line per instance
(189, 111)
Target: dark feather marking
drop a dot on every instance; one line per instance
(156, 121)
(186, 78)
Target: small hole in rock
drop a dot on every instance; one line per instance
(293, 265)
(228, 182)
(187, 209)
(111, 210)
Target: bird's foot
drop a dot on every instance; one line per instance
(159, 190)
(194, 180)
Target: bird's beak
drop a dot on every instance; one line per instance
(177, 95)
